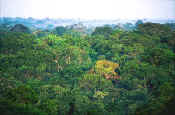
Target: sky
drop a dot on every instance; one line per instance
(89, 9)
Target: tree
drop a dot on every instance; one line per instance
(20, 28)
(138, 23)
(105, 30)
(60, 30)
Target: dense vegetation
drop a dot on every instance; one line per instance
(68, 72)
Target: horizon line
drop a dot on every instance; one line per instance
(88, 18)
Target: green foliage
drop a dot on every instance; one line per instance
(60, 30)
(20, 28)
(153, 29)
(106, 31)
(11, 108)
(67, 72)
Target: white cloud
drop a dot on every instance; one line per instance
(91, 9)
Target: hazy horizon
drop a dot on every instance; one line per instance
(89, 9)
